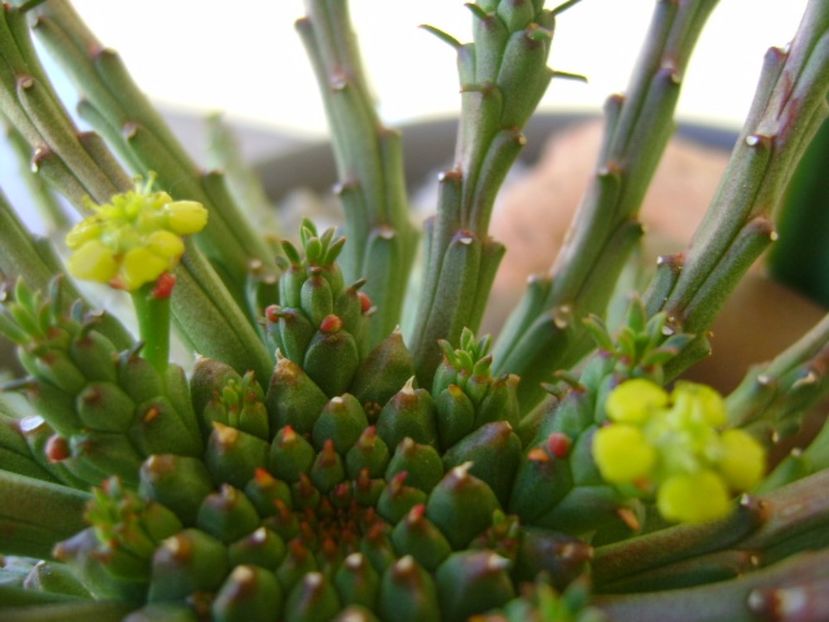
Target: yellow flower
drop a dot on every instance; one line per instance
(84, 231)
(622, 453)
(166, 245)
(743, 460)
(93, 261)
(699, 402)
(186, 217)
(676, 445)
(633, 401)
(139, 266)
(694, 498)
(133, 239)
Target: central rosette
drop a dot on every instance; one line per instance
(339, 482)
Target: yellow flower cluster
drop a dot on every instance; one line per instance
(133, 239)
(673, 445)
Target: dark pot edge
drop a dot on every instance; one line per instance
(312, 164)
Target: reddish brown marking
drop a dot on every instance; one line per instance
(163, 288)
(57, 448)
(559, 444)
(152, 414)
(331, 324)
(365, 302)
(272, 313)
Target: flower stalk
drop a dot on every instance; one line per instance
(152, 308)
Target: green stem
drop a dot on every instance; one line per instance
(796, 508)
(153, 313)
(757, 526)
(14, 596)
(801, 462)
(31, 105)
(225, 154)
(503, 75)
(540, 338)
(34, 514)
(50, 209)
(800, 581)
(788, 108)
(372, 189)
(100, 611)
(210, 321)
(809, 347)
(801, 257)
(630, 557)
(790, 385)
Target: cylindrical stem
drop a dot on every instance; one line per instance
(503, 75)
(152, 308)
(638, 126)
(372, 189)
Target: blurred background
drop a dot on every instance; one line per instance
(245, 58)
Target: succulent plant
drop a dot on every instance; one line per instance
(316, 462)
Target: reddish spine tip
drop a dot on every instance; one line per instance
(297, 550)
(342, 492)
(375, 532)
(272, 313)
(363, 480)
(282, 510)
(151, 415)
(398, 481)
(91, 395)
(57, 448)
(368, 438)
(330, 549)
(163, 288)
(262, 476)
(559, 444)
(331, 324)
(416, 514)
(305, 489)
(328, 455)
(629, 518)
(365, 302)
(404, 567)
